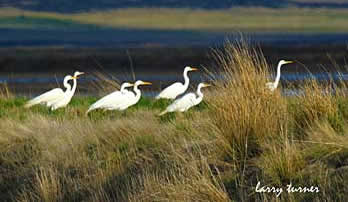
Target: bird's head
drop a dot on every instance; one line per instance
(126, 85)
(77, 74)
(203, 85)
(140, 82)
(68, 77)
(188, 68)
(283, 62)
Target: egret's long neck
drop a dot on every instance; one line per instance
(199, 92)
(187, 80)
(67, 85)
(200, 95)
(74, 87)
(123, 87)
(278, 75)
(137, 92)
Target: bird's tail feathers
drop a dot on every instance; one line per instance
(163, 113)
(89, 110)
(30, 104)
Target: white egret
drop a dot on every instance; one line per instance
(273, 85)
(112, 100)
(130, 98)
(56, 98)
(187, 101)
(172, 91)
(68, 94)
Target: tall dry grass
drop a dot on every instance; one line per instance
(5, 92)
(48, 159)
(245, 112)
(260, 132)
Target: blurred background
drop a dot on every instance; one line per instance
(43, 40)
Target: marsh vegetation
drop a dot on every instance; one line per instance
(217, 151)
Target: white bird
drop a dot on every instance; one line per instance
(130, 98)
(112, 100)
(187, 101)
(172, 91)
(273, 85)
(55, 95)
(68, 94)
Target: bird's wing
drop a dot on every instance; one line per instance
(50, 96)
(107, 101)
(129, 94)
(172, 91)
(127, 101)
(182, 103)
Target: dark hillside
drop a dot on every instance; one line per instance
(75, 6)
(68, 6)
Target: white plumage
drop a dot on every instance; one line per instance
(273, 85)
(187, 101)
(120, 100)
(112, 100)
(56, 98)
(172, 91)
(48, 97)
(68, 94)
(131, 98)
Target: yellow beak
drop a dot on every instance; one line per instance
(207, 85)
(146, 83)
(194, 69)
(288, 62)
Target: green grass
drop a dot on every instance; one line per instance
(302, 20)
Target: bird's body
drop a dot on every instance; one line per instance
(51, 96)
(273, 85)
(187, 101)
(177, 88)
(113, 100)
(132, 98)
(47, 98)
(56, 98)
(68, 94)
(120, 100)
(184, 103)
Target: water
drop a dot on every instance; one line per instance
(34, 85)
(29, 83)
(289, 77)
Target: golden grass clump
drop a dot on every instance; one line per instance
(102, 160)
(316, 102)
(48, 185)
(282, 164)
(190, 180)
(5, 92)
(245, 112)
(325, 143)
